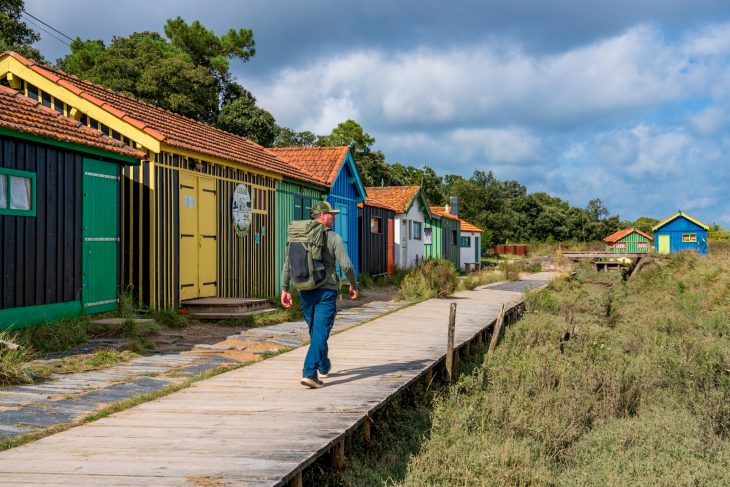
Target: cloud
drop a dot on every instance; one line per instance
(709, 121)
(499, 83)
(499, 146)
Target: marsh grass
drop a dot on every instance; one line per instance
(433, 279)
(603, 382)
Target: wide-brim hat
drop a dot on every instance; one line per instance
(323, 207)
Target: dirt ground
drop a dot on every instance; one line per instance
(176, 340)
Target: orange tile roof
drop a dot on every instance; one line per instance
(322, 162)
(465, 225)
(399, 198)
(168, 127)
(468, 227)
(615, 237)
(21, 114)
(441, 211)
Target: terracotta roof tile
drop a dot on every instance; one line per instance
(398, 198)
(21, 114)
(468, 227)
(173, 129)
(322, 162)
(441, 211)
(615, 237)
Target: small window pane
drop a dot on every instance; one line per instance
(20, 193)
(427, 236)
(93, 124)
(46, 99)
(32, 92)
(3, 191)
(376, 225)
(58, 105)
(417, 230)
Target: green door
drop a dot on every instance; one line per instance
(663, 244)
(100, 237)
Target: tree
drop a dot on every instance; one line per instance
(371, 165)
(596, 209)
(430, 182)
(187, 74)
(15, 35)
(242, 117)
(286, 137)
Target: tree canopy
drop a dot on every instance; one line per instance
(15, 35)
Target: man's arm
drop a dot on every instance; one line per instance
(337, 247)
(286, 300)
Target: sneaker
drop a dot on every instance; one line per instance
(323, 376)
(311, 382)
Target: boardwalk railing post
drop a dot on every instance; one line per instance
(296, 481)
(338, 455)
(495, 332)
(366, 429)
(450, 343)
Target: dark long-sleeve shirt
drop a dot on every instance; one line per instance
(335, 252)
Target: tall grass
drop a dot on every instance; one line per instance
(434, 278)
(603, 382)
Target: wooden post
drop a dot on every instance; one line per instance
(338, 455)
(495, 332)
(450, 343)
(296, 481)
(366, 429)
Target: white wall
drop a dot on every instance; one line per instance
(467, 253)
(406, 250)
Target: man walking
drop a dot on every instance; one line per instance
(319, 305)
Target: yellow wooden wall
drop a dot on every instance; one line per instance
(151, 238)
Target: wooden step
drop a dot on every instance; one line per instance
(225, 305)
(225, 315)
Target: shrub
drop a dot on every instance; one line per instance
(168, 317)
(52, 337)
(510, 270)
(415, 287)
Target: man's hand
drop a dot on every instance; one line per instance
(286, 300)
(353, 293)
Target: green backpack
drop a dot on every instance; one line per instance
(306, 240)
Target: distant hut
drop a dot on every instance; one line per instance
(411, 214)
(471, 247)
(680, 232)
(450, 226)
(628, 240)
(377, 238)
(60, 217)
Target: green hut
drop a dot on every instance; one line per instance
(628, 240)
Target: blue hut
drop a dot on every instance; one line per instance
(335, 167)
(680, 232)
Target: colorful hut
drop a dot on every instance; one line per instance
(680, 232)
(471, 246)
(377, 238)
(198, 213)
(451, 234)
(59, 214)
(411, 213)
(628, 240)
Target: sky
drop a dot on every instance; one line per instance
(627, 101)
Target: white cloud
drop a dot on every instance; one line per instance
(493, 83)
(709, 121)
(499, 146)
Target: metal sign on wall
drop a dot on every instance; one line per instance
(241, 210)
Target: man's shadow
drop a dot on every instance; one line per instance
(351, 375)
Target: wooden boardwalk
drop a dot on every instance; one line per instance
(257, 425)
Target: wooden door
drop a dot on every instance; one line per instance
(198, 237)
(663, 244)
(391, 246)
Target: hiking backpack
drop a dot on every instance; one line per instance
(306, 240)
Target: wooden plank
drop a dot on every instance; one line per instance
(253, 426)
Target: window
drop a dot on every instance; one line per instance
(32, 91)
(17, 192)
(689, 237)
(454, 238)
(620, 245)
(466, 242)
(643, 245)
(427, 239)
(46, 99)
(410, 230)
(376, 224)
(417, 231)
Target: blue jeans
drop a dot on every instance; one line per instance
(319, 307)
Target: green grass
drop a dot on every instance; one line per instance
(102, 359)
(603, 382)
